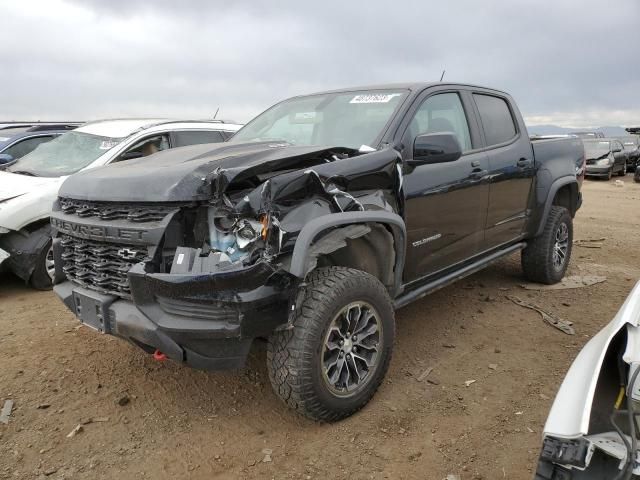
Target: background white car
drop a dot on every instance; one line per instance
(592, 432)
(29, 186)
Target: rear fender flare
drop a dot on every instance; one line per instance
(553, 190)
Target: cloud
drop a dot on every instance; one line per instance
(573, 63)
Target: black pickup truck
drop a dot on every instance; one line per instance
(310, 227)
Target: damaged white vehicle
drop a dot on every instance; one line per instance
(592, 430)
(29, 185)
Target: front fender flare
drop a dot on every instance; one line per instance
(316, 226)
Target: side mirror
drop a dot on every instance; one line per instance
(435, 148)
(617, 150)
(5, 158)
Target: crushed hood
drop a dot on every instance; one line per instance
(13, 185)
(187, 173)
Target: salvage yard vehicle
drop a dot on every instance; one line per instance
(309, 228)
(588, 135)
(593, 431)
(631, 145)
(29, 185)
(16, 142)
(605, 156)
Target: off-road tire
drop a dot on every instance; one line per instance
(294, 356)
(40, 279)
(537, 257)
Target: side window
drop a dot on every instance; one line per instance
(496, 118)
(442, 112)
(196, 137)
(25, 146)
(147, 146)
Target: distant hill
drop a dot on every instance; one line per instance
(555, 130)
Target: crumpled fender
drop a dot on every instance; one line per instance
(571, 409)
(23, 248)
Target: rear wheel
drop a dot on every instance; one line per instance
(546, 257)
(330, 364)
(42, 276)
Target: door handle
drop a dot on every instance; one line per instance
(524, 162)
(478, 173)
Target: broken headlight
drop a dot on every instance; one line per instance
(235, 236)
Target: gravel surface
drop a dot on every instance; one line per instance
(467, 394)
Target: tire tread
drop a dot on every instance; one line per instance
(290, 352)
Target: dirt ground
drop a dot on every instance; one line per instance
(181, 423)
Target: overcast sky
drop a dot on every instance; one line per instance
(568, 62)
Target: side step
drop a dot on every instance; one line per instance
(441, 282)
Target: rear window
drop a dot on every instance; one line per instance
(196, 137)
(496, 117)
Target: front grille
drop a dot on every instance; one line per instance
(115, 211)
(98, 265)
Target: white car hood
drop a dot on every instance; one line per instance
(25, 199)
(571, 410)
(13, 185)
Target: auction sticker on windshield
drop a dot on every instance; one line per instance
(374, 98)
(108, 144)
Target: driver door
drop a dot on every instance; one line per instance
(445, 203)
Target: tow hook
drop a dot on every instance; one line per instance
(159, 356)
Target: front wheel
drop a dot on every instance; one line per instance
(330, 364)
(42, 276)
(623, 171)
(546, 258)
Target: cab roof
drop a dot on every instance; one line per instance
(413, 87)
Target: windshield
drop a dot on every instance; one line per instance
(345, 119)
(64, 155)
(596, 149)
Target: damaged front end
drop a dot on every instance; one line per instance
(593, 429)
(200, 279)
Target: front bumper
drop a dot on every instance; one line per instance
(597, 171)
(205, 321)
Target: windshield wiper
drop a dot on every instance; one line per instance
(24, 172)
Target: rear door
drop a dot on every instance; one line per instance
(619, 156)
(445, 203)
(511, 167)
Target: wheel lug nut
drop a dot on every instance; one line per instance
(355, 338)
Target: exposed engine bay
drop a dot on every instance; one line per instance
(257, 215)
